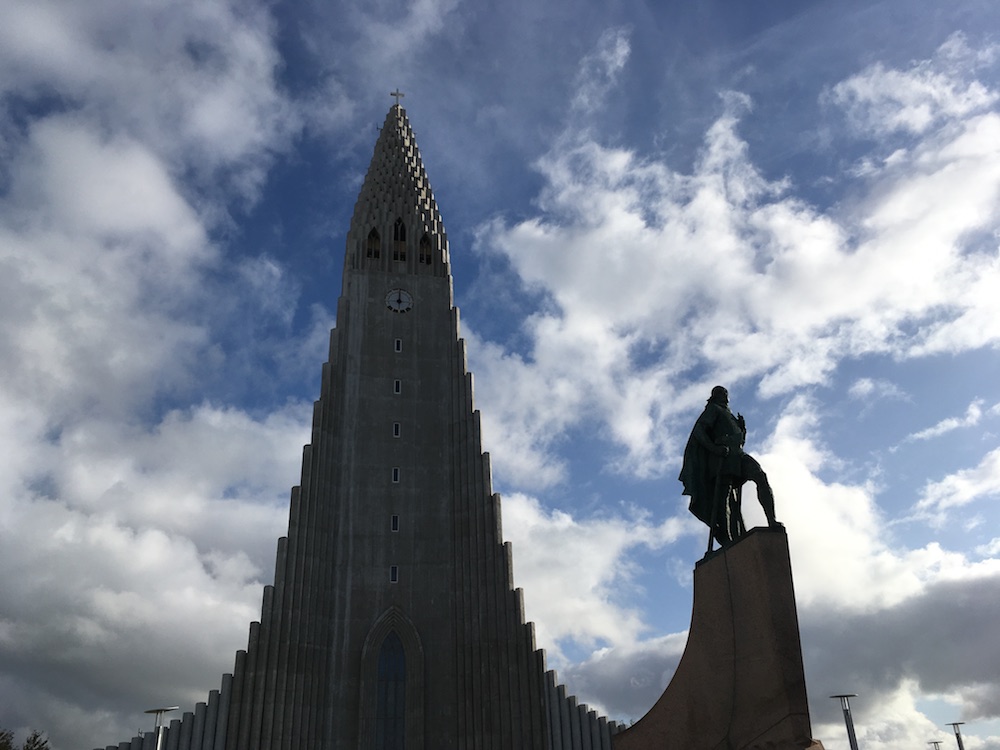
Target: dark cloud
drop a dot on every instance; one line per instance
(944, 638)
(626, 681)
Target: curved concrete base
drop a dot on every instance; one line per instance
(739, 684)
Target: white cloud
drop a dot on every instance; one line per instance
(395, 32)
(121, 542)
(78, 602)
(100, 253)
(962, 487)
(599, 70)
(972, 417)
(145, 125)
(216, 112)
(873, 388)
(992, 549)
(519, 431)
(97, 325)
(573, 572)
(648, 274)
(882, 100)
(844, 555)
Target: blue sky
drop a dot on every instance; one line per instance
(796, 200)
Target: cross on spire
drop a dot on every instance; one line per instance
(398, 94)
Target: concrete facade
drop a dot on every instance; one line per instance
(393, 621)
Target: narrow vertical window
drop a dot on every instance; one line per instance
(395, 429)
(390, 703)
(393, 574)
(394, 525)
(399, 240)
(425, 249)
(374, 244)
(399, 345)
(395, 474)
(397, 386)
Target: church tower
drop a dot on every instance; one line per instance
(393, 622)
(393, 592)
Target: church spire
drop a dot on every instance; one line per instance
(396, 225)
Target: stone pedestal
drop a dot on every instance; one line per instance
(739, 684)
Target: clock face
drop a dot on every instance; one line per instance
(399, 300)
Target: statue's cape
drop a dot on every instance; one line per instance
(701, 467)
(698, 477)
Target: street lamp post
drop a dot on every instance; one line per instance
(158, 726)
(958, 733)
(845, 704)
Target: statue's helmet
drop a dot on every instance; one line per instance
(720, 394)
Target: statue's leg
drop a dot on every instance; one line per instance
(717, 522)
(723, 533)
(753, 472)
(734, 514)
(739, 528)
(720, 536)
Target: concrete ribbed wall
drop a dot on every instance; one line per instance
(195, 730)
(567, 724)
(572, 725)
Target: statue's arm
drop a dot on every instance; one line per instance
(703, 435)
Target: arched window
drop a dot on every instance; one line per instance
(392, 684)
(425, 249)
(374, 244)
(399, 240)
(390, 703)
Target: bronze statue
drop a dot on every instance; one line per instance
(716, 468)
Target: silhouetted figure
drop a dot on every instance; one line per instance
(715, 468)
